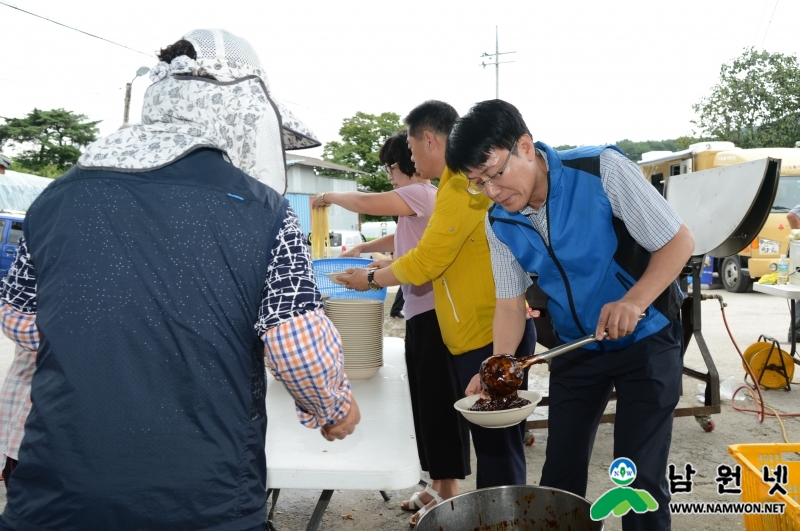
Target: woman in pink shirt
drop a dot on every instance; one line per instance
(442, 434)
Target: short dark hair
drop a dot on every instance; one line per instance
(433, 115)
(489, 125)
(395, 151)
(178, 48)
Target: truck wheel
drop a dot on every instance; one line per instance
(730, 272)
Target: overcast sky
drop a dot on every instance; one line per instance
(585, 72)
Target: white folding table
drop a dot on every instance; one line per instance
(380, 455)
(786, 291)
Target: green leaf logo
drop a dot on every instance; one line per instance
(620, 500)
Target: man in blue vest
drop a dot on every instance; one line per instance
(607, 249)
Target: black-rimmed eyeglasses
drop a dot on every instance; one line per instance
(476, 187)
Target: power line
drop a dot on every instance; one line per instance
(760, 20)
(75, 29)
(770, 23)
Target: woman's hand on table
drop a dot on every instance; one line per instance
(344, 427)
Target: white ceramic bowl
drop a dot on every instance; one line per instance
(498, 419)
(362, 374)
(353, 302)
(332, 277)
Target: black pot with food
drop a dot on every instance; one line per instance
(513, 508)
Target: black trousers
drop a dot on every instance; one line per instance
(500, 451)
(647, 379)
(441, 432)
(397, 305)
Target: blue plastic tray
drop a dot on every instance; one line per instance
(323, 266)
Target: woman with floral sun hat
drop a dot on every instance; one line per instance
(156, 280)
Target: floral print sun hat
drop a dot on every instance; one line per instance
(184, 110)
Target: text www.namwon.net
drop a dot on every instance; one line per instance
(726, 508)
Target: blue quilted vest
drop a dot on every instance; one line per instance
(149, 391)
(591, 259)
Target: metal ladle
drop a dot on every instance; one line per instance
(502, 375)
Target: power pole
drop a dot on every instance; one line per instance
(497, 53)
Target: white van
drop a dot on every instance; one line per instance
(376, 229)
(342, 240)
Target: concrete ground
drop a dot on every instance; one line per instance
(748, 314)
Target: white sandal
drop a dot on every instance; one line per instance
(415, 504)
(419, 514)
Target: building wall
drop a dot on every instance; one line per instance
(304, 184)
(301, 204)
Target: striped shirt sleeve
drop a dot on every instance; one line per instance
(302, 347)
(18, 321)
(650, 220)
(18, 296)
(290, 288)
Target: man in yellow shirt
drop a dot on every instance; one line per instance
(454, 254)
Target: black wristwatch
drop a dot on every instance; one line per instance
(371, 280)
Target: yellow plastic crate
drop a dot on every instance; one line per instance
(752, 457)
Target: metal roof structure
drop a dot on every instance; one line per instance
(292, 159)
(18, 190)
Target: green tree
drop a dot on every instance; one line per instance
(683, 142)
(362, 138)
(634, 149)
(50, 171)
(54, 138)
(756, 102)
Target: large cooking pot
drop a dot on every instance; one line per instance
(514, 508)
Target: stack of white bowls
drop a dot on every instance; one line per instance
(360, 325)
